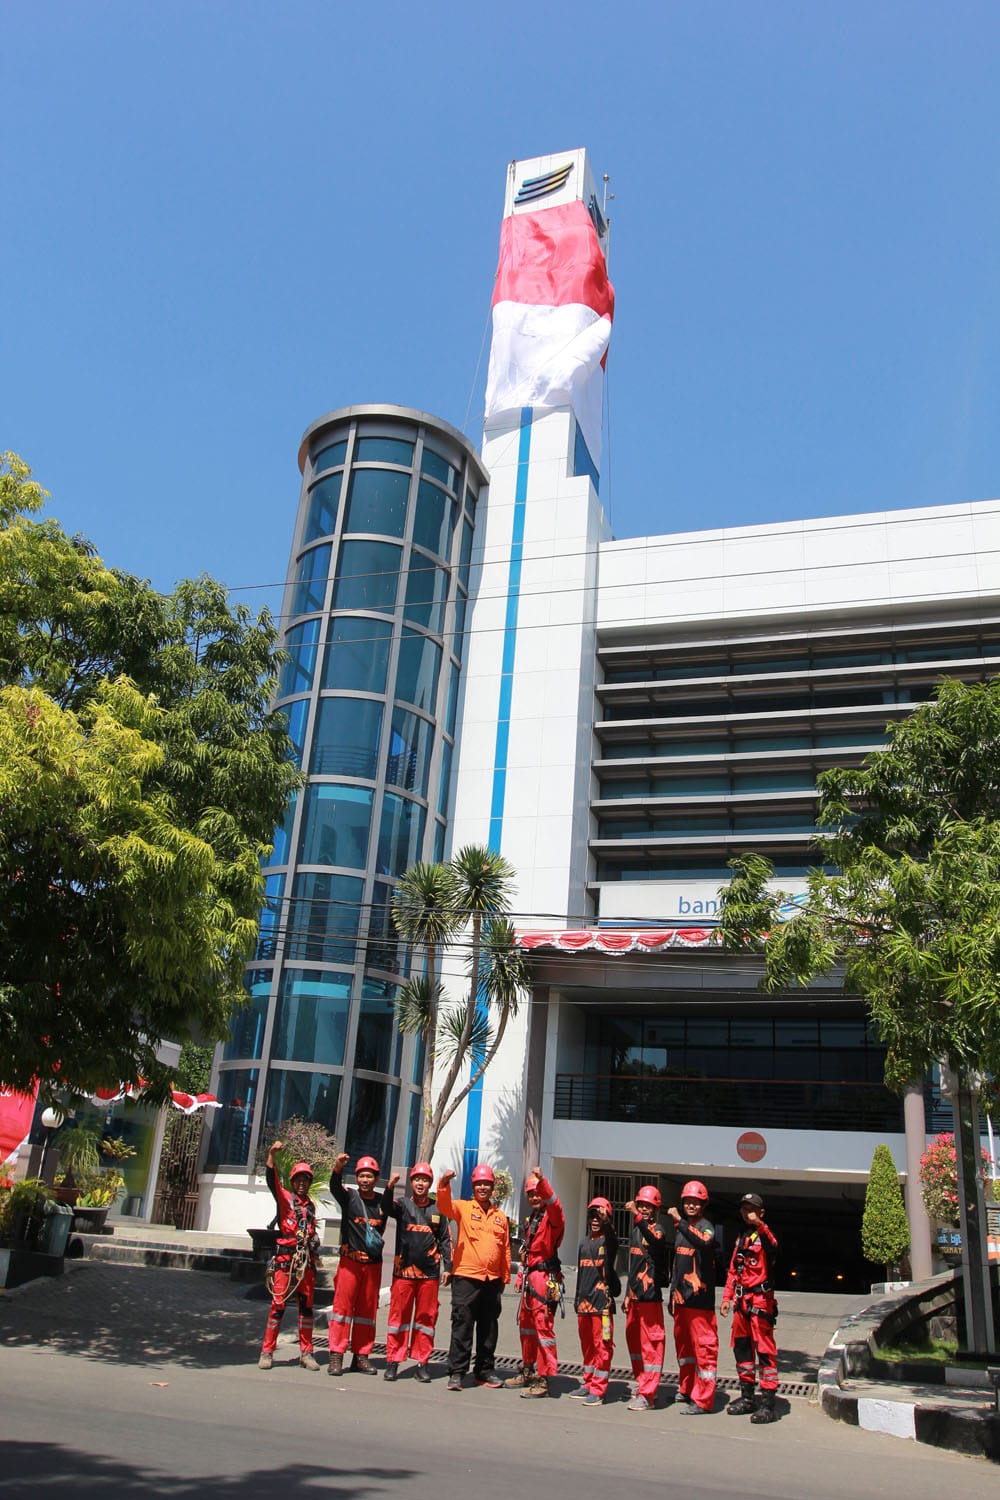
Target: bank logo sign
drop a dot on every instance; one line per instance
(533, 188)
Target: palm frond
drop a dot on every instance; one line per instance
(451, 1024)
(503, 975)
(416, 1003)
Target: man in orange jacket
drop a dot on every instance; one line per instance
(480, 1271)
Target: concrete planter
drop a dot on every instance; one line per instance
(18, 1266)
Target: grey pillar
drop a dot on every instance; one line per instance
(916, 1213)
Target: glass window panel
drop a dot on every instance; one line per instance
(400, 835)
(306, 1096)
(310, 586)
(297, 673)
(297, 714)
(452, 708)
(376, 450)
(444, 785)
(413, 1128)
(345, 740)
(439, 468)
(419, 1054)
(324, 501)
(417, 673)
(336, 825)
(246, 1034)
(283, 835)
(439, 832)
(313, 1011)
(385, 949)
(229, 1141)
(773, 781)
(796, 1033)
(410, 744)
(372, 1120)
(434, 520)
(377, 501)
(426, 592)
(357, 654)
(270, 916)
(458, 639)
(772, 742)
(463, 566)
(378, 1040)
(746, 1033)
(367, 576)
(330, 456)
(324, 918)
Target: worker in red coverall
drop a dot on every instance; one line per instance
(647, 1275)
(597, 1286)
(359, 1275)
(295, 1260)
(540, 1284)
(422, 1265)
(749, 1291)
(692, 1301)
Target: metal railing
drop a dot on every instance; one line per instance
(794, 1104)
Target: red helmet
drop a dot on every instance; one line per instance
(649, 1194)
(695, 1189)
(299, 1168)
(367, 1164)
(422, 1169)
(483, 1174)
(602, 1204)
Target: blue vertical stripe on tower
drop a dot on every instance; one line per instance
(474, 1102)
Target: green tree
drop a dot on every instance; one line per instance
(433, 906)
(141, 776)
(885, 1233)
(911, 916)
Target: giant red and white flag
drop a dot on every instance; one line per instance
(16, 1111)
(552, 311)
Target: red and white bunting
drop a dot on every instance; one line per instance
(614, 940)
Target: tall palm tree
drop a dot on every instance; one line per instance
(432, 904)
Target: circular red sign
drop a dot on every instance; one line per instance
(751, 1146)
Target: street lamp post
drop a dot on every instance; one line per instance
(50, 1121)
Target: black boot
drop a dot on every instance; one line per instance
(765, 1411)
(743, 1406)
(391, 1371)
(422, 1374)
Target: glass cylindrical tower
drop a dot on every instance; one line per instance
(374, 613)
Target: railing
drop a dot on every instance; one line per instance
(798, 1104)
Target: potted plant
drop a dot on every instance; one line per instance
(302, 1140)
(98, 1190)
(79, 1159)
(29, 1243)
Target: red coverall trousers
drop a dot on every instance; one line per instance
(646, 1339)
(696, 1338)
(596, 1350)
(276, 1312)
(536, 1326)
(355, 1303)
(417, 1301)
(753, 1335)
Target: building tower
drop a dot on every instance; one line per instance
(375, 620)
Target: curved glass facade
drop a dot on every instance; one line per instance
(374, 611)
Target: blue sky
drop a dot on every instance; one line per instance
(223, 218)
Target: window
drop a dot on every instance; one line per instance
(345, 740)
(367, 576)
(410, 744)
(297, 714)
(336, 825)
(372, 1120)
(434, 520)
(357, 655)
(324, 499)
(439, 468)
(232, 1123)
(310, 586)
(270, 916)
(444, 785)
(246, 1036)
(308, 1096)
(330, 457)
(324, 917)
(417, 673)
(311, 1023)
(379, 1038)
(426, 592)
(463, 566)
(452, 708)
(377, 501)
(400, 835)
(375, 450)
(283, 835)
(297, 673)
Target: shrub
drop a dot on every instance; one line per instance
(302, 1140)
(885, 1233)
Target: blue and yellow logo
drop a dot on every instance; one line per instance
(540, 187)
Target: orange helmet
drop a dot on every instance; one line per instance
(695, 1189)
(301, 1168)
(649, 1194)
(367, 1164)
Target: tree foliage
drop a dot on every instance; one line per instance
(141, 776)
(911, 915)
(435, 906)
(885, 1232)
